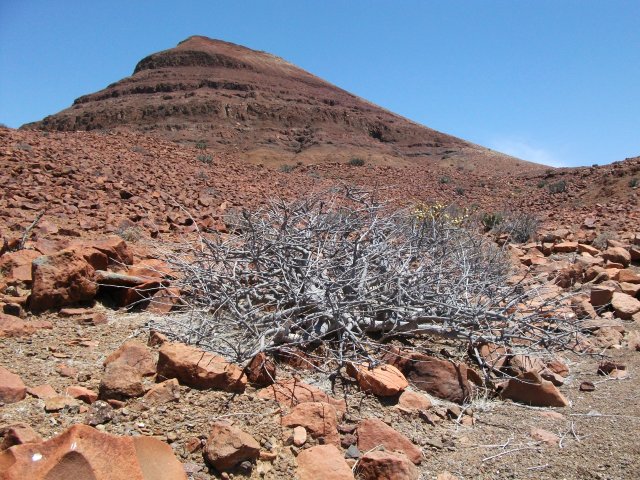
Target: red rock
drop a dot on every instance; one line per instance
(292, 392)
(582, 307)
(299, 436)
(413, 401)
(81, 452)
(61, 279)
(565, 247)
(199, 369)
(57, 403)
(67, 371)
(156, 339)
(81, 393)
(601, 295)
(323, 462)
(531, 389)
(12, 389)
(373, 433)
(150, 269)
(134, 354)
(587, 387)
(227, 446)
(16, 266)
(167, 391)
(628, 276)
(607, 337)
(441, 378)
(631, 289)
(261, 371)
(11, 326)
(383, 381)
(42, 392)
(382, 465)
(318, 418)
(545, 436)
(624, 306)
(18, 434)
(582, 247)
(617, 255)
(120, 382)
(164, 300)
(494, 356)
(446, 476)
(608, 367)
(97, 259)
(115, 248)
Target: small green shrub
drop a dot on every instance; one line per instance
(356, 162)
(205, 158)
(129, 234)
(541, 184)
(460, 191)
(201, 145)
(491, 220)
(634, 182)
(286, 168)
(444, 180)
(558, 187)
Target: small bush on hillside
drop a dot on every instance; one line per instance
(445, 180)
(520, 227)
(491, 220)
(541, 184)
(201, 145)
(205, 158)
(356, 162)
(129, 234)
(634, 182)
(558, 187)
(460, 191)
(286, 168)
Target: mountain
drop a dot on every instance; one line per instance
(237, 100)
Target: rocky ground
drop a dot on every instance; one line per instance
(110, 199)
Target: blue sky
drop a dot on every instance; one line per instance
(552, 81)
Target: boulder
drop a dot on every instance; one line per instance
(383, 465)
(82, 452)
(81, 393)
(134, 354)
(292, 392)
(601, 295)
(227, 446)
(11, 326)
(617, 255)
(120, 382)
(115, 248)
(15, 267)
(164, 392)
(441, 378)
(383, 381)
(196, 368)
(530, 388)
(261, 371)
(373, 433)
(413, 401)
(61, 279)
(318, 418)
(18, 434)
(323, 462)
(628, 276)
(624, 306)
(12, 389)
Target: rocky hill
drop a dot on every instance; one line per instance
(235, 99)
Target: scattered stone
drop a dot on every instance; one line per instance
(18, 434)
(81, 393)
(15, 267)
(601, 295)
(610, 368)
(446, 476)
(373, 432)
(299, 436)
(318, 418)
(624, 306)
(383, 381)
(199, 369)
(532, 389)
(82, 452)
(382, 465)
(11, 326)
(42, 391)
(587, 387)
(545, 436)
(57, 403)
(323, 462)
(133, 354)
(227, 446)
(61, 279)
(99, 413)
(67, 371)
(413, 401)
(292, 392)
(12, 389)
(165, 392)
(121, 382)
(617, 255)
(261, 371)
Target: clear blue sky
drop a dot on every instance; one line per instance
(553, 81)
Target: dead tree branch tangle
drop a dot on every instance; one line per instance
(342, 275)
